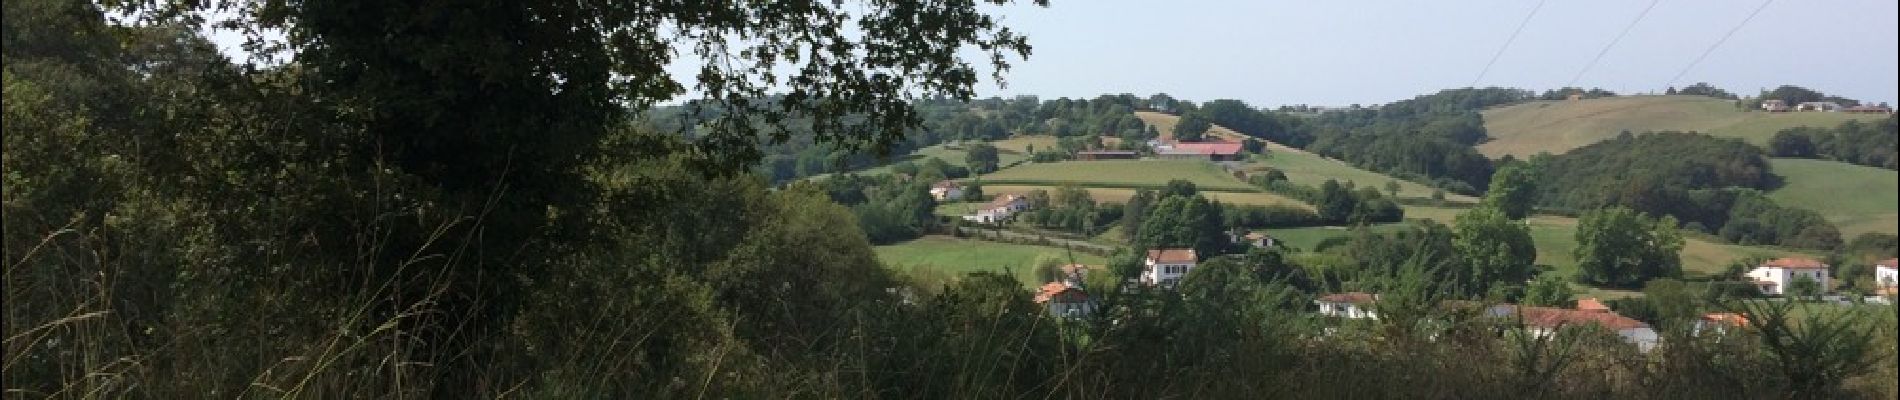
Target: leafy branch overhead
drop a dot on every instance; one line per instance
(541, 78)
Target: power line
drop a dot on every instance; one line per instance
(1718, 43)
(1606, 48)
(1507, 43)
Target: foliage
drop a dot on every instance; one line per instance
(1495, 250)
(1513, 190)
(1183, 221)
(1813, 354)
(1548, 291)
(1619, 247)
(1854, 142)
(981, 158)
(1192, 128)
(1703, 89)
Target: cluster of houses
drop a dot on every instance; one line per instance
(1774, 105)
(1165, 267)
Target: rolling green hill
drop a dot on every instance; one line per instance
(1301, 166)
(1857, 199)
(1119, 174)
(1557, 126)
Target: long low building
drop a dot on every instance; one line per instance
(1211, 150)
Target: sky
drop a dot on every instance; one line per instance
(1336, 53)
(1271, 53)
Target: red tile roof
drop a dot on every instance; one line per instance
(1889, 263)
(1555, 317)
(1794, 263)
(1731, 319)
(1349, 297)
(1221, 148)
(1049, 291)
(1172, 256)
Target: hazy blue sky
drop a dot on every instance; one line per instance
(1342, 52)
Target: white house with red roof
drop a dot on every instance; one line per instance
(1545, 321)
(1774, 276)
(1065, 299)
(1167, 266)
(999, 209)
(946, 190)
(1886, 278)
(1350, 305)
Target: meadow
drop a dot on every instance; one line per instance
(1557, 126)
(1857, 199)
(957, 256)
(1119, 174)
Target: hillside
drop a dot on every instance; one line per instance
(1303, 167)
(1558, 126)
(1857, 199)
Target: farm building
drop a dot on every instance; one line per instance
(1212, 151)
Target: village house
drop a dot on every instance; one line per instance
(1719, 323)
(1000, 209)
(1828, 106)
(1065, 299)
(1546, 321)
(1167, 266)
(1886, 277)
(946, 190)
(1256, 239)
(1774, 276)
(1349, 305)
(1773, 105)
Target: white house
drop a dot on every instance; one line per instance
(1545, 321)
(1885, 275)
(1352, 305)
(1065, 299)
(1818, 106)
(999, 209)
(1774, 105)
(947, 190)
(1167, 266)
(1774, 276)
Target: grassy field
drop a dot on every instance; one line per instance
(1121, 195)
(954, 153)
(1021, 144)
(1312, 170)
(957, 256)
(1300, 166)
(1119, 173)
(1525, 129)
(1555, 238)
(1855, 198)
